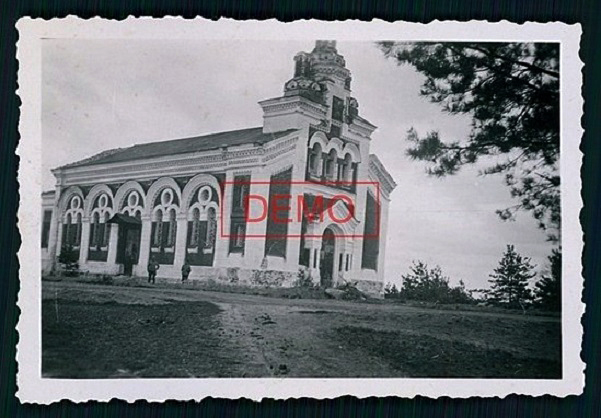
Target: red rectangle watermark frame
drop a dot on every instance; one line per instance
(301, 182)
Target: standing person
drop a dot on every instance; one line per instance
(185, 271)
(153, 266)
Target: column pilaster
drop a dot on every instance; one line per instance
(254, 249)
(223, 222)
(180, 240)
(112, 250)
(383, 239)
(85, 241)
(144, 245)
(54, 233)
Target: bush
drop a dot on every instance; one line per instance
(391, 291)
(430, 285)
(267, 278)
(69, 258)
(304, 280)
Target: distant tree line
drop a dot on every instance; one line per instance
(509, 285)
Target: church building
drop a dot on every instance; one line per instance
(255, 206)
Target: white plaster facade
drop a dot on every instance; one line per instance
(176, 200)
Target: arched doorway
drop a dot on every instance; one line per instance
(326, 262)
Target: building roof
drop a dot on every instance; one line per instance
(182, 146)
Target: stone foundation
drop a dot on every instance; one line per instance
(235, 275)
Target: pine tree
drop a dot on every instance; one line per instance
(547, 291)
(509, 284)
(511, 92)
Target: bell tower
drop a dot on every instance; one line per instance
(317, 95)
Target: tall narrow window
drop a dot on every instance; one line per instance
(69, 231)
(331, 168)
(337, 109)
(237, 216)
(346, 168)
(78, 230)
(47, 220)
(244, 189)
(97, 250)
(172, 229)
(158, 227)
(211, 228)
(315, 160)
(277, 226)
(94, 230)
(239, 240)
(195, 226)
(107, 230)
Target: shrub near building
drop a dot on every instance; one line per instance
(428, 285)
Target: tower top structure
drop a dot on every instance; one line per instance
(318, 94)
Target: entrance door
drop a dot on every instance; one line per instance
(128, 248)
(326, 262)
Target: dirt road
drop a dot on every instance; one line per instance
(107, 331)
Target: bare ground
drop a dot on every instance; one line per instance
(100, 331)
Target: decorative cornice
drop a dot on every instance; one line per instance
(378, 170)
(285, 103)
(364, 129)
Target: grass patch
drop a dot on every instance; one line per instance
(427, 356)
(102, 340)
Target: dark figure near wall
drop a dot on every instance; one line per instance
(153, 266)
(185, 271)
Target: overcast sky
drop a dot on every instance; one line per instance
(104, 94)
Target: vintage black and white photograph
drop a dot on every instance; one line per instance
(319, 207)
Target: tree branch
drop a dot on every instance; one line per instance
(531, 67)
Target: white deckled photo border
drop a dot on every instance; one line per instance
(33, 388)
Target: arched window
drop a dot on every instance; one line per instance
(346, 168)
(315, 162)
(330, 164)
(165, 203)
(202, 221)
(71, 223)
